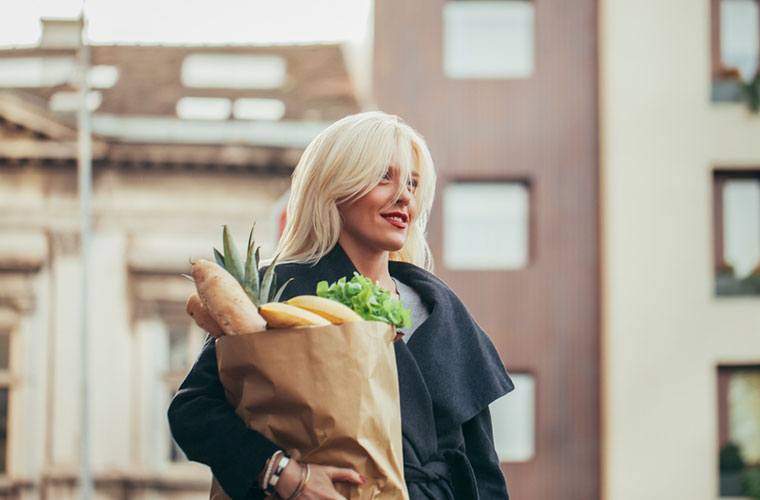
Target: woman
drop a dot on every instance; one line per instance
(360, 200)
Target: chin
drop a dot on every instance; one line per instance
(386, 240)
(394, 245)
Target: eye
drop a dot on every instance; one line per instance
(387, 175)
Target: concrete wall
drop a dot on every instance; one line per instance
(664, 332)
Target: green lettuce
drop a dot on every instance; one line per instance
(369, 300)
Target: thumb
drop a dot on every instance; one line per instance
(345, 475)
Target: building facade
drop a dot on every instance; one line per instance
(598, 211)
(179, 148)
(681, 209)
(505, 93)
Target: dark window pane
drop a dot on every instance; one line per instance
(738, 427)
(5, 343)
(3, 429)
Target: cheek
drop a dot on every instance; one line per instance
(361, 212)
(375, 201)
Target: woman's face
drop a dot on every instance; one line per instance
(378, 220)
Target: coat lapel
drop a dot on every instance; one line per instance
(460, 364)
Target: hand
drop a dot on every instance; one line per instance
(320, 484)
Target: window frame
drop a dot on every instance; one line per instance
(725, 372)
(7, 381)
(720, 72)
(532, 240)
(488, 77)
(172, 315)
(719, 178)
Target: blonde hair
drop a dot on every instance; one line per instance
(342, 164)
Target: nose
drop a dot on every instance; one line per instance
(405, 197)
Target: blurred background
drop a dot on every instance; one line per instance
(598, 210)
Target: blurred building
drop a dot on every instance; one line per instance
(598, 211)
(506, 94)
(680, 202)
(185, 139)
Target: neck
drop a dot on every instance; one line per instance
(370, 262)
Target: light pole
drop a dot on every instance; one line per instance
(85, 220)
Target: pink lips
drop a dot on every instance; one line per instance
(395, 220)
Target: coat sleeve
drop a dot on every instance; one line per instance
(209, 431)
(480, 450)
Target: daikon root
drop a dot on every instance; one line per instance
(203, 319)
(225, 299)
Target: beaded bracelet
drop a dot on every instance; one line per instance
(281, 464)
(268, 473)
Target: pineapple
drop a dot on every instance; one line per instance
(247, 274)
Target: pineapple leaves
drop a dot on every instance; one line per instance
(219, 257)
(232, 261)
(266, 282)
(257, 259)
(282, 289)
(251, 278)
(260, 289)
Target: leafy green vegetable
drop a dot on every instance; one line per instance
(369, 300)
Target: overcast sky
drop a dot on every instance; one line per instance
(192, 21)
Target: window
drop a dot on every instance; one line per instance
(204, 108)
(513, 419)
(103, 76)
(735, 45)
(36, 71)
(488, 39)
(5, 347)
(736, 219)
(66, 101)
(258, 109)
(486, 225)
(738, 427)
(183, 343)
(234, 71)
(166, 343)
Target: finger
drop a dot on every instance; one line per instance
(345, 475)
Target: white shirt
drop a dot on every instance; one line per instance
(411, 300)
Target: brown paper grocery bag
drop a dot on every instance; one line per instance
(327, 395)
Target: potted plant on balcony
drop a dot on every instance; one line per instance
(742, 88)
(751, 482)
(731, 467)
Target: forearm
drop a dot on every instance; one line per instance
(479, 447)
(207, 429)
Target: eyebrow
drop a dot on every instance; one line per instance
(395, 169)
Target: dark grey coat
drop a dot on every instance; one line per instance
(449, 372)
